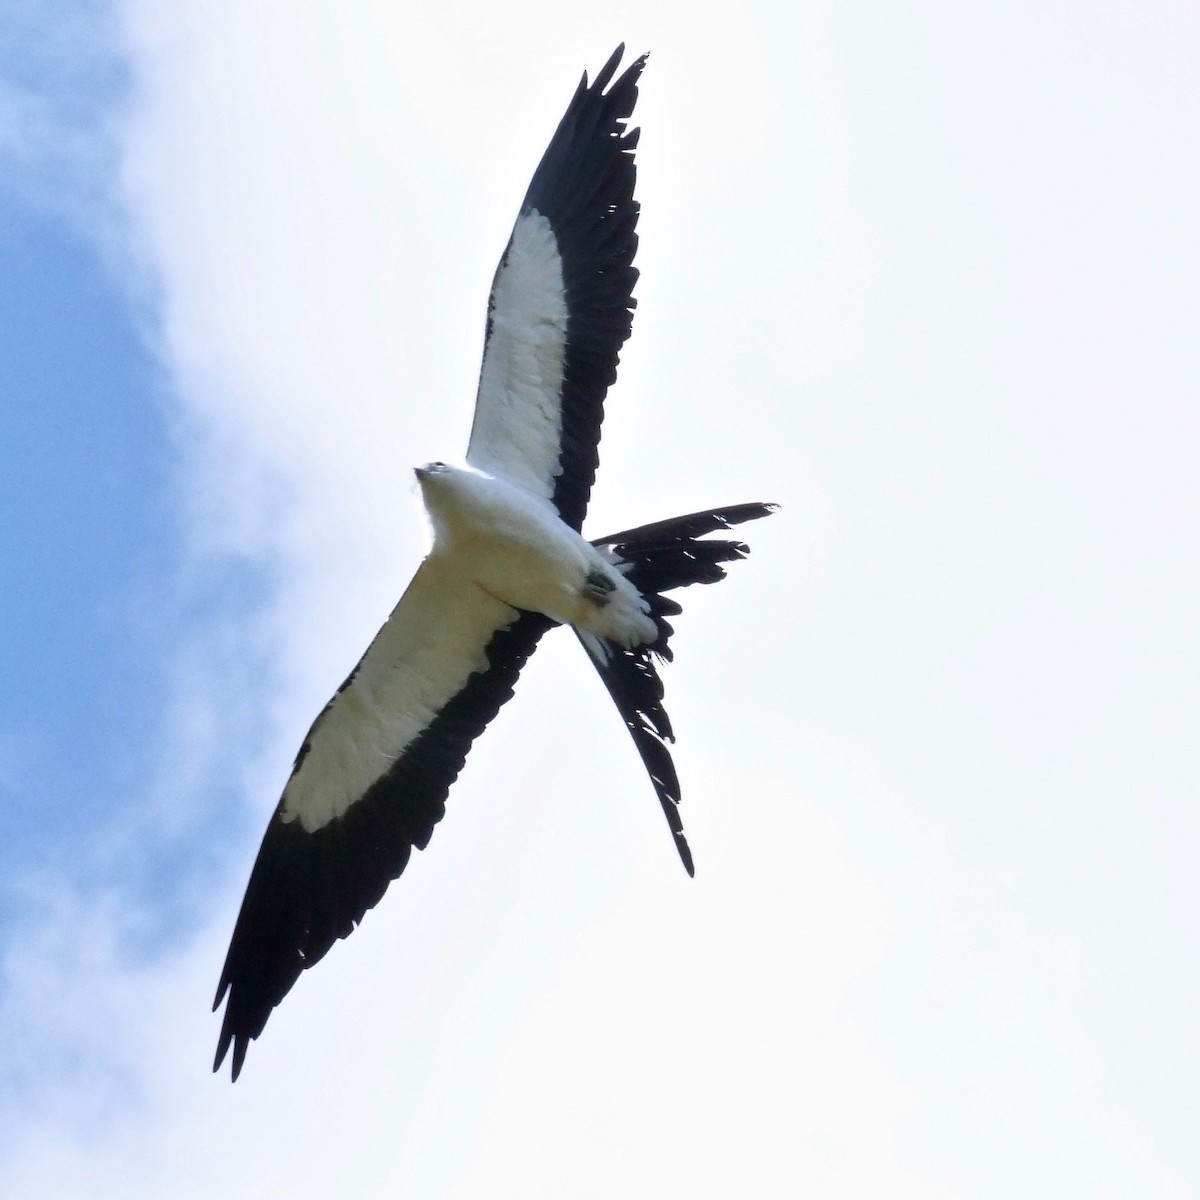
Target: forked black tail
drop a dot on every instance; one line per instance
(658, 559)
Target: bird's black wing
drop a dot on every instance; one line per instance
(369, 784)
(562, 302)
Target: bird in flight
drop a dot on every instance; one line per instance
(508, 563)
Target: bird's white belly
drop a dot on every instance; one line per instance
(534, 567)
(514, 546)
(511, 543)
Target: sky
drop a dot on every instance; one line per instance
(926, 275)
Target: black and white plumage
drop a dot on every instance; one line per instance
(508, 563)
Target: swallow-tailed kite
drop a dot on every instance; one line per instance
(508, 563)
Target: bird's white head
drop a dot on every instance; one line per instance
(429, 470)
(452, 496)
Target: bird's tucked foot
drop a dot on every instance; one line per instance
(598, 588)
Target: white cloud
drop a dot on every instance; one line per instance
(917, 277)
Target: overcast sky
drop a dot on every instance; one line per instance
(927, 275)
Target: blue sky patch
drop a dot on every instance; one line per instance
(85, 539)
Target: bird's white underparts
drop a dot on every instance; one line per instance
(508, 563)
(519, 550)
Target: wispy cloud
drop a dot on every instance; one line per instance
(88, 912)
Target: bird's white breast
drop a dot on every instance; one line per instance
(510, 541)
